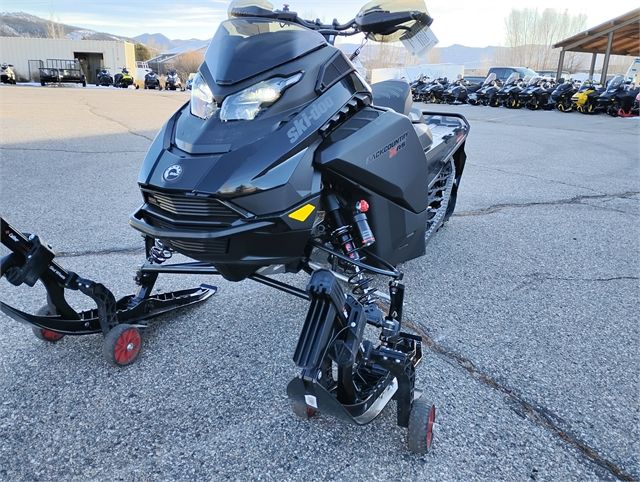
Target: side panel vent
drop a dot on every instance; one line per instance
(335, 69)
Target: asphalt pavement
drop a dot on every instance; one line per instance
(527, 301)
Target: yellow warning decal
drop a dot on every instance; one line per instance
(303, 213)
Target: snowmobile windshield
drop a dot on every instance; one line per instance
(615, 83)
(534, 80)
(490, 78)
(513, 78)
(231, 56)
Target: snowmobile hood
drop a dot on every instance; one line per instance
(231, 56)
(236, 159)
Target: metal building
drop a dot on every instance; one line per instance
(26, 53)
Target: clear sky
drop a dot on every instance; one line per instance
(474, 23)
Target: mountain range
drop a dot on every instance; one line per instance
(163, 43)
(21, 24)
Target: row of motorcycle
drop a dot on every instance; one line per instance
(617, 98)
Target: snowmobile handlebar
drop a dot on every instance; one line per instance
(383, 23)
(376, 22)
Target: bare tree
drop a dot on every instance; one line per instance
(434, 56)
(188, 62)
(55, 29)
(530, 35)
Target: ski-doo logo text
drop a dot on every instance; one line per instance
(392, 148)
(302, 123)
(172, 173)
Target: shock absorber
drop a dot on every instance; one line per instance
(342, 231)
(362, 223)
(361, 285)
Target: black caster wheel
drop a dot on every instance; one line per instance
(302, 410)
(44, 334)
(122, 344)
(421, 420)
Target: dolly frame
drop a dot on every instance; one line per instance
(30, 260)
(340, 318)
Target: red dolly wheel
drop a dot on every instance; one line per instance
(421, 420)
(122, 345)
(302, 410)
(42, 333)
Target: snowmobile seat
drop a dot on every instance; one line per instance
(393, 94)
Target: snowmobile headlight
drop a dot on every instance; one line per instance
(203, 104)
(246, 105)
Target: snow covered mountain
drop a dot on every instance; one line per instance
(21, 24)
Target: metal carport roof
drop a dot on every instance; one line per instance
(618, 36)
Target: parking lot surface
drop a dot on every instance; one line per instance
(527, 300)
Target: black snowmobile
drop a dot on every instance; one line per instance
(458, 92)
(486, 94)
(417, 86)
(433, 93)
(173, 81)
(536, 94)
(151, 81)
(291, 162)
(561, 96)
(504, 95)
(104, 78)
(618, 97)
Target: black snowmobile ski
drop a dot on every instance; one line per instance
(31, 261)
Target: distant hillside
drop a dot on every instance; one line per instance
(470, 57)
(376, 55)
(162, 43)
(20, 24)
(156, 40)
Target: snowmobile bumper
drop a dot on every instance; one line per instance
(224, 237)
